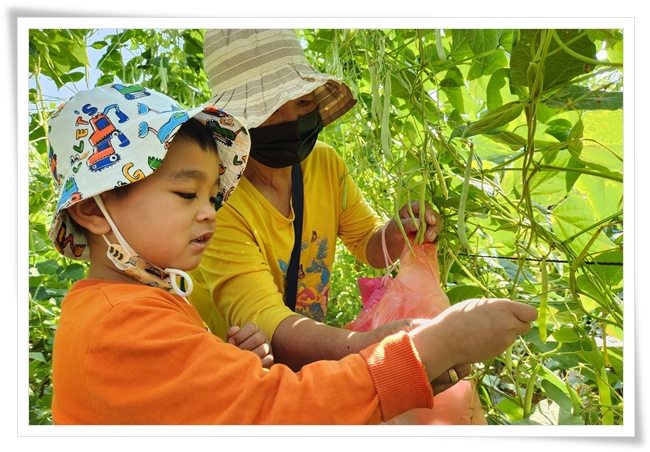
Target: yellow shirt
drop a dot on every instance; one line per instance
(243, 273)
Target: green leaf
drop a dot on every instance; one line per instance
(582, 98)
(498, 82)
(604, 196)
(559, 67)
(460, 48)
(559, 129)
(557, 395)
(612, 274)
(614, 49)
(464, 292)
(548, 187)
(402, 85)
(49, 267)
(500, 61)
(550, 378)
(75, 272)
(493, 120)
(37, 356)
(512, 270)
(593, 358)
(564, 334)
(481, 41)
(585, 284)
(616, 360)
(512, 140)
(72, 77)
(98, 44)
(573, 216)
(571, 176)
(510, 408)
(604, 149)
(547, 412)
(47, 293)
(452, 85)
(575, 139)
(498, 147)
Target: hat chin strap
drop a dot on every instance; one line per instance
(167, 278)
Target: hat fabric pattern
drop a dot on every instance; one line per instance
(118, 134)
(252, 73)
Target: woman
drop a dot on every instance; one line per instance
(263, 78)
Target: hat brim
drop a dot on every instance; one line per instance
(255, 100)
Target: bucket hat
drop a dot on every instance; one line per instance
(117, 134)
(252, 73)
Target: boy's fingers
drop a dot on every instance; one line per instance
(251, 337)
(238, 335)
(267, 361)
(232, 331)
(253, 342)
(262, 350)
(249, 329)
(524, 312)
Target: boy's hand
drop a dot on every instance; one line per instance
(251, 338)
(470, 332)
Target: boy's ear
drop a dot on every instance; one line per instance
(88, 215)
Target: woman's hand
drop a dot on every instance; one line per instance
(447, 379)
(394, 237)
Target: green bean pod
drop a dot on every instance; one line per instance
(543, 302)
(462, 235)
(530, 389)
(385, 119)
(419, 237)
(576, 404)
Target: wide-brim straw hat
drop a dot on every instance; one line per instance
(118, 134)
(252, 73)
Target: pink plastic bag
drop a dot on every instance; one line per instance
(416, 293)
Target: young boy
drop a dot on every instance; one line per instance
(139, 183)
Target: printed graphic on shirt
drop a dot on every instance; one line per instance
(313, 281)
(313, 288)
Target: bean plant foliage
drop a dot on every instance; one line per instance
(515, 136)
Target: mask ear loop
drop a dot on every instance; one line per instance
(116, 231)
(173, 272)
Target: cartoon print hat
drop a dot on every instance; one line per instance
(252, 73)
(118, 134)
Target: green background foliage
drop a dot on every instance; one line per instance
(514, 135)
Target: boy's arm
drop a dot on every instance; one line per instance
(192, 377)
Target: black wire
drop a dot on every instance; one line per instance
(537, 259)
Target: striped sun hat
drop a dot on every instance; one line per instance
(252, 73)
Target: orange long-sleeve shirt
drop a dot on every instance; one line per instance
(131, 354)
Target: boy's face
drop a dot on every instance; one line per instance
(168, 218)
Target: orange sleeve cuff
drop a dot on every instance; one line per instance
(399, 376)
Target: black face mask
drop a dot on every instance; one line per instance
(285, 144)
